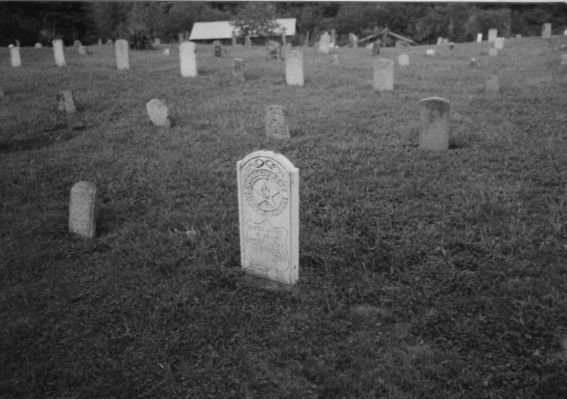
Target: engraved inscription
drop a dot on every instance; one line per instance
(267, 247)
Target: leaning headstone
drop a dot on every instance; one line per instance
(82, 209)
(276, 123)
(430, 52)
(238, 69)
(38, 45)
(15, 58)
(492, 35)
(499, 43)
(65, 102)
(268, 205)
(294, 68)
(157, 111)
(58, 52)
(492, 84)
(122, 57)
(434, 119)
(187, 59)
(479, 37)
(563, 59)
(383, 75)
(403, 60)
(492, 52)
(217, 48)
(353, 40)
(325, 43)
(546, 31)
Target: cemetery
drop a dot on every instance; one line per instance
(333, 223)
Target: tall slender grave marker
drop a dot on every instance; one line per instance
(122, 58)
(434, 119)
(187, 59)
(82, 209)
(58, 52)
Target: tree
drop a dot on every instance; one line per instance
(256, 19)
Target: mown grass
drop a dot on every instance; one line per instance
(421, 274)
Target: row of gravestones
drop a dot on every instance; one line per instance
(268, 203)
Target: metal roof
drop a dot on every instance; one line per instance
(223, 29)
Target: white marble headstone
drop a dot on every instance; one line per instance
(492, 35)
(430, 52)
(268, 202)
(434, 119)
(58, 52)
(294, 68)
(499, 43)
(479, 37)
(82, 209)
(383, 75)
(15, 58)
(121, 48)
(325, 43)
(187, 59)
(546, 31)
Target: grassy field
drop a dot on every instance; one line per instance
(422, 275)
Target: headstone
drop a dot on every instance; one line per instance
(217, 48)
(238, 69)
(492, 84)
(247, 41)
(375, 47)
(439, 41)
(565, 32)
(109, 43)
(233, 38)
(99, 42)
(383, 75)
(499, 43)
(76, 44)
(187, 59)
(479, 37)
(122, 57)
(306, 42)
(474, 62)
(166, 52)
(492, 35)
(353, 39)
(434, 119)
(430, 52)
(82, 209)
(334, 37)
(58, 52)
(65, 102)
(15, 58)
(546, 31)
(403, 60)
(268, 205)
(294, 68)
(38, 45)
(563, 59)
(285, 50)
(276, 124)
(325, 43)
(157, 111)
(492, 52)
(82, 50)
(157, 42)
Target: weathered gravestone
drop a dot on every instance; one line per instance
(109, 43)
(439, 41)
(157, 111)
(247, 41)
(325, 43)
(565, 32)
(273, 49)
(157, 42)
(353, 40)
(58, 52)
(76, 44)
(434, 119)
(383, 75)
(492, 35)
(15, 58)
(563, 59)
(38, 45)
(99, 42)
(430, 52)
(82, 209)
(217, 48)
(187, 59)
(82, 50)
(492, 85)
(403, 60)
(499, 43)
(285, 50)
(479, 37)
(122, 57)
(268, 204)
(66, 102)
(375, 47)
(238, 69)
(546, 31)
(492, 52)
(166, 52)
(276, 123)
(294, 68)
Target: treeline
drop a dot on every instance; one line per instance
(31, 22)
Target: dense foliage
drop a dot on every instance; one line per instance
(30, 22)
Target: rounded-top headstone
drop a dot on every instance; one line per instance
(158, 112)
(15, 58)
(188, 59)
(434, 119)
(294, 68)
(383, 75)
(121, 51)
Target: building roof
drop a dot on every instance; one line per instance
(223, 29)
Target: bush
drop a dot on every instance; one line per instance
(140, 39)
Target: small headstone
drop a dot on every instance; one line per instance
(157, 42)
(294, 68)
(276, 124)
(65, 102)
(353, 40)
(166, 52)
(434, 119)
(403, 60)
(492, 84)
(563, 59)
(238, 69)
(546, 31)
(38, 45)
(499, 43)
(109, 43)
(325, 43)
(157, 111)
(383, 75)
(492, 52)
(430, 52)
(268, 205)
(58, 52)
(82, 209)
(565, 32)
(247, 41)
(518, 36)
(492, 35)
(15, 58)
(439, 41)
(217, 48)
(121, 52)
(479, 37)
(82, 50)
(99, 42)
(187, 59)
(274, 49)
